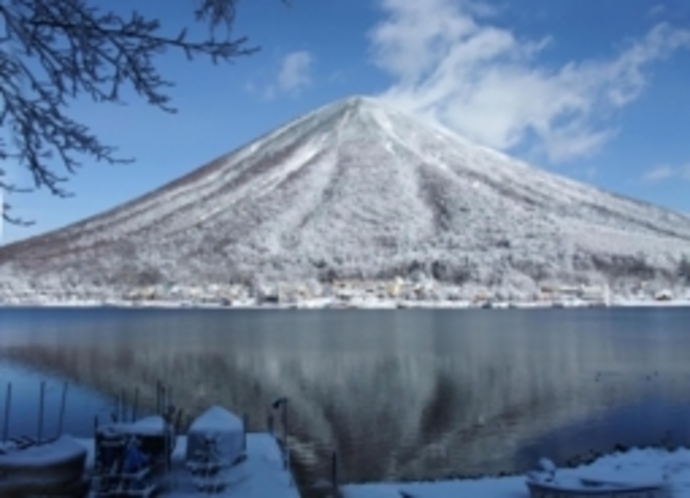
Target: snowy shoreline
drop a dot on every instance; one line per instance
(266, 475)
(651, 464)
(365, 304)
(349, 294)
(634, 465)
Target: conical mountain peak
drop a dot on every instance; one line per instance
(357, 189)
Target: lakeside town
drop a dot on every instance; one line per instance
(396, 293)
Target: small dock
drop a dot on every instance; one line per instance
(144, 457)
(262, 474)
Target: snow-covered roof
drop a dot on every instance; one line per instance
(148, 426)
(217, 419)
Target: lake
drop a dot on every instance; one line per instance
(399, 394)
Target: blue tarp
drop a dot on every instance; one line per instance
(135, 459)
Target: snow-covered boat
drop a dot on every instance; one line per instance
(215, 443)
(131, 457)
(155, 435)
(51, 468)
(586, 488)
(547, 483)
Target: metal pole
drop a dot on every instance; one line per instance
(123, 398)
(158, 397)
(96, 459)
(164, 391)
(135, 407)
(41, 408)
(270, 424)
(334, 473)
(8, 402)
(166, 452)
(245, 422)
(285, 433)
(285, 421)
(178, 420)
(63, 405)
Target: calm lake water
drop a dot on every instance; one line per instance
(400, 394)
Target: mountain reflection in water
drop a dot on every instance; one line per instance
(405, 394)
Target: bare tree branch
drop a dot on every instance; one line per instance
(52, 51)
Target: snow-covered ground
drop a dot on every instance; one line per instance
(637, 465)
(263, 475)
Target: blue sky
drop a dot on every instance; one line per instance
(585, 89)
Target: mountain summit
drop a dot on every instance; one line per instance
(358, 190)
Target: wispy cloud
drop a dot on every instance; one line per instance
(664, 172)
(293, 75)
(453, 66)
(295, 71)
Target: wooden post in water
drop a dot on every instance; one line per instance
(8, 402)
(334, 474)
(41, 408)
(135, 406)
(63, 405)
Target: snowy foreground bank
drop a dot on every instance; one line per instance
(634, 466)
(264, 476)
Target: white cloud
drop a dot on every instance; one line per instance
(658, 173)
(665, 172)
(293, 76)
(452, 66)
(295, 72)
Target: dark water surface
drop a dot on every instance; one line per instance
(400, 394)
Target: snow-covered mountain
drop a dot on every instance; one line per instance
(357, 190)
